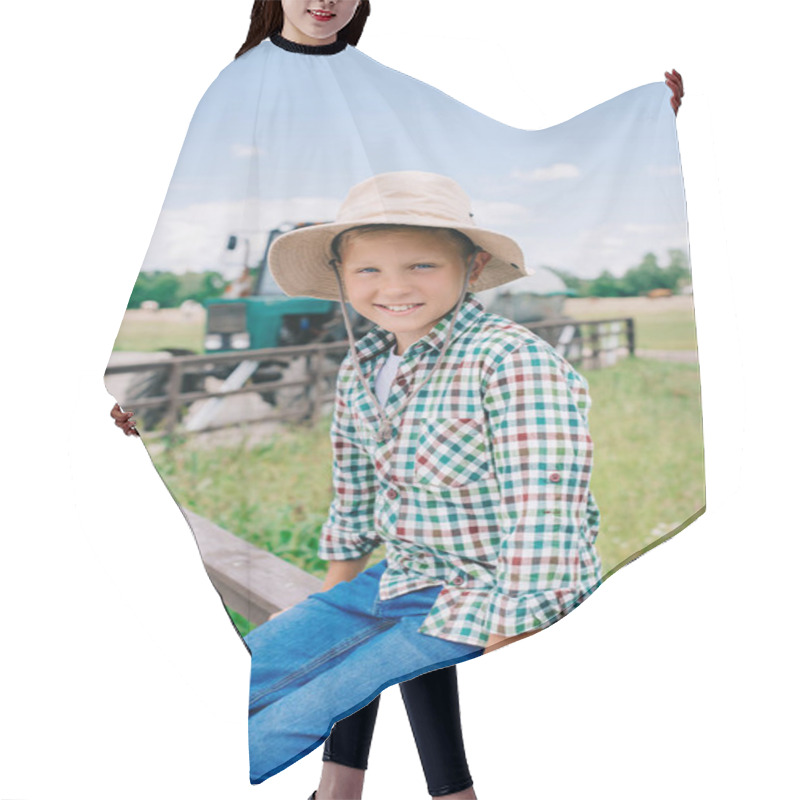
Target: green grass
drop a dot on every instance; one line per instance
(275, 495)
(146, 335)
(243, 625)
(672, 330)
(648, 469)
(647, 479)
(655, 330)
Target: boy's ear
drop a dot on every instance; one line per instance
(481, 260)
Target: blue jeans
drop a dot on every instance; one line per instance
(329, 656)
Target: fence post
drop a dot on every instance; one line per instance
(173, 395)
(594, 338)
(631, 336)
(317, 363)
(611, 344)
(309, 387)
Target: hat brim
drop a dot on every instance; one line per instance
(299, 260)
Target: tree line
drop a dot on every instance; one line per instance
(170, 290)
(638, 280)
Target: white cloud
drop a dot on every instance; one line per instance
(615, 247)
(500, 214)
(643, 229)
(245, 150)
(193, 238)
(555, 172)
(659, 171)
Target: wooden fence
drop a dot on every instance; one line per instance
(588, 344)
(251, 581)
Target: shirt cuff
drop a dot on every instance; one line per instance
(338, 545)
(510, 615)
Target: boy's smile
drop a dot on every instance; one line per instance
(405, 281)
(397, 310)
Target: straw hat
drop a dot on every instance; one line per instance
(300, 260)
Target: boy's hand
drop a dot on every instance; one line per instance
(124, 420)
(346, 570)
(338, 571)
(675, 82)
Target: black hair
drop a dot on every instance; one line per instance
(266, 19)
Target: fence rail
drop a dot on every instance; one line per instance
(251, 581)
(590, 344)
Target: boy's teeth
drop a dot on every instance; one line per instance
(400, 308)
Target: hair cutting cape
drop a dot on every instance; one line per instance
(596, 205)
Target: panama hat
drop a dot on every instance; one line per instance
(300, 260)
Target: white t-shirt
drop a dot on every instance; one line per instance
(385, 376)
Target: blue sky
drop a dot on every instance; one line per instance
(281, 137)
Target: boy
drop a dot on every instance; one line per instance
(475, 474)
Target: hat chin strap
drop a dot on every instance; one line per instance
(384, 431)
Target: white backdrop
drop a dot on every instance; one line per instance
(121, 675)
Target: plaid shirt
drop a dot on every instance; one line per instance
(482, 488)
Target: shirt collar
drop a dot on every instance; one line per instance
(379, 340)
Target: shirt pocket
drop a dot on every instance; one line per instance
(452, 452)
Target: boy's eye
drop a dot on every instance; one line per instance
(363, 270)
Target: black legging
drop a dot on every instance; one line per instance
(431, 702)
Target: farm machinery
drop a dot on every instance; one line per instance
(254, 314)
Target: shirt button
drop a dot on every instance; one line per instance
(401, 381)
(391, 494)
(458, 580)
(555, 477)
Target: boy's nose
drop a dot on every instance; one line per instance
(394, 285)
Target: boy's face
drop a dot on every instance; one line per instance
(405, 281)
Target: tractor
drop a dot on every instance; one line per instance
(254, 313)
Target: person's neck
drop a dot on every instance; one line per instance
(294, 34)
(317, 49)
